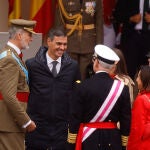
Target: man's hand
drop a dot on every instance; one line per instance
(147, 17)
(31, 127)
(136, 18)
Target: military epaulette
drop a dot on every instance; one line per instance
(124, 140)
(5, 53)
(8, 52)
(78, 81)
(71, 138)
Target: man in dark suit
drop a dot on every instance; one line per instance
(98, 104)
(14, 90)
(52, 75)
(135, 16)
(83, 20)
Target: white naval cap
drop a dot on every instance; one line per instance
(106, 54)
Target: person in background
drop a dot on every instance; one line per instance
(120, 72)
(14, 89)
(136, 90)
(83, 20)
(135, 18)
(52, 77)
(109, 32)
(98, 104)
(139, 138)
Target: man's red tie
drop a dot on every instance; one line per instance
(21, 55)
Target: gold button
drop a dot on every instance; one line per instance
(70, 14)
(70, 3)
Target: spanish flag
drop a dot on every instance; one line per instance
(43, 12)
(14, 9)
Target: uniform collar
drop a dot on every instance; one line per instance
(101, 71)
(14, 47)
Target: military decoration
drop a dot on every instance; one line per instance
(71, 3)
(90, 7)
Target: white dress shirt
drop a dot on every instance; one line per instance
(141, 7)
(50, 65)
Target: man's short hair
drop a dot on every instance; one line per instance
(57, 31)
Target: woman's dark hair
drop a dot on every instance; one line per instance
(121, 67)
(145, 76)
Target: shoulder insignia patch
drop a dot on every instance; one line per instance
(5, 53)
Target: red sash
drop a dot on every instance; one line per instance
(98, 125)
(21, 96)
(104, 110)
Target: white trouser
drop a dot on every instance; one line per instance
(109, 36)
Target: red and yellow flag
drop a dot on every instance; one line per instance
(14, 9)
(43, 12)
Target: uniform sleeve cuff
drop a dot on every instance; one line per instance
(25, 125)
(124, 140)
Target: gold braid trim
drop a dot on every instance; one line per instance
(77, 18)
(124, 140)
(71, 138)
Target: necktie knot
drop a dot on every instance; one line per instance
(54, 70)
(21, 55)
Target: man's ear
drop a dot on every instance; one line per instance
(48, 39)
(95, 65)
(18, 36)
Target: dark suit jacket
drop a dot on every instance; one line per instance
(124, 10)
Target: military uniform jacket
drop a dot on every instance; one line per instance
(12, 80)
(91, 11)
(89, 96)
